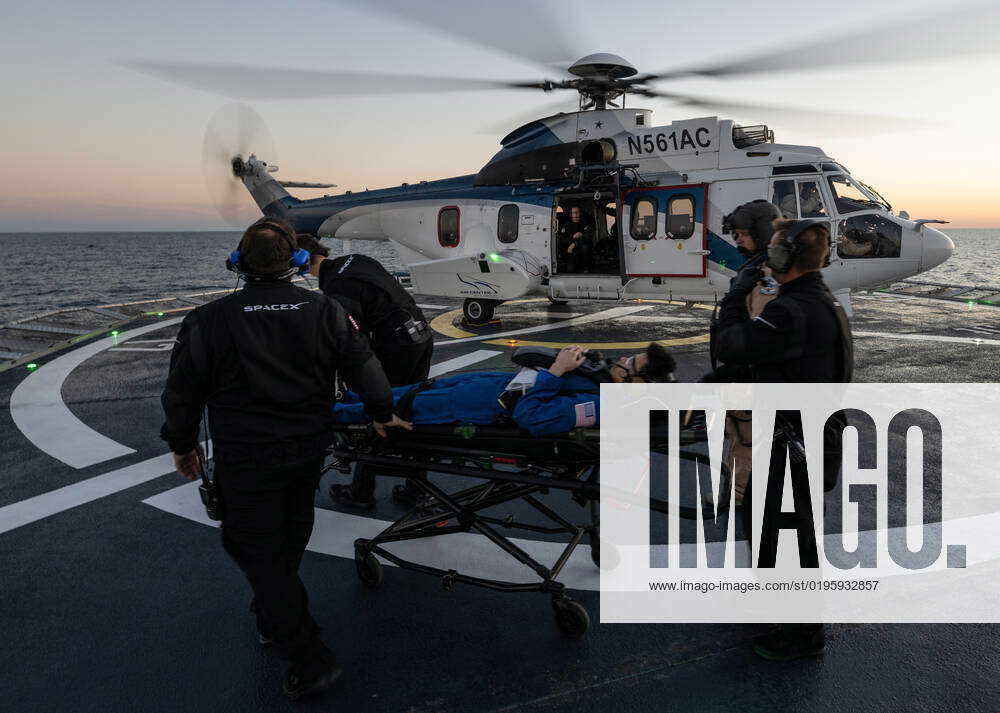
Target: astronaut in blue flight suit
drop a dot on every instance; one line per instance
(552, 400)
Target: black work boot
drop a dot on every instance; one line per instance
(407, 495)
(346, 495)
(792, 641)
(311, 678)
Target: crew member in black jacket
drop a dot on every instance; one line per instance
(752, 226)
(264, 360)
(801, 336)
(399, 336)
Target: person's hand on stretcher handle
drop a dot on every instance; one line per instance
(394, 422)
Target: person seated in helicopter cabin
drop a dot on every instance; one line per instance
(542, 401)
(576, 241)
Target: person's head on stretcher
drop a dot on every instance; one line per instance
(652, 365)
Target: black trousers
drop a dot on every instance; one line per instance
(406, 364)
(770, 540)
(265, 530)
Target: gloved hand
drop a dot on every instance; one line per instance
(746, 281)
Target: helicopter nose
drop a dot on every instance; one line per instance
(938, 247)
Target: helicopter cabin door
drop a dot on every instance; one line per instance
(665, 231)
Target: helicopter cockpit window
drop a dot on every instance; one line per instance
(507, 223)
(643, 219)
(783, 196)
(869, 236)
(849, 197)
(680, 218)
(810, 200)
(448, 227)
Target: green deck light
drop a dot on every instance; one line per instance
(495, 257)
(32, 366)
(159, 314)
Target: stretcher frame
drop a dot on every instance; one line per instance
(568, 462)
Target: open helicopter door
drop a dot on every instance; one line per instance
(666, 233)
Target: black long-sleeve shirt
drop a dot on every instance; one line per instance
(798, 337)
(264, 361)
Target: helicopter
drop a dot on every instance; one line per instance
(654, 195)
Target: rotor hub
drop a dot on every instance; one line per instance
(602, 65)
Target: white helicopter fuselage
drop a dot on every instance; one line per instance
(493, 236)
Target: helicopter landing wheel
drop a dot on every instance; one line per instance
(478, 311)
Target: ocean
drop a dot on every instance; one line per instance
(49, 271)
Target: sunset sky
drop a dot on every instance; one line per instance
(89, 144)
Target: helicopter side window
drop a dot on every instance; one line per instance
(869, 236)
(643, 219)
(848, 197)
(507, 223)
(783, 196)
(448, 227)
(680, 218)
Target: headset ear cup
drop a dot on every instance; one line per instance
(300, 258)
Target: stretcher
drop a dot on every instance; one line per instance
(513, 466)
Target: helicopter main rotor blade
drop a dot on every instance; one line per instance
(835, 122)
(966, 30)
(257, 83)
(515, 27)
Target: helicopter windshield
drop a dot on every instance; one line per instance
(850, 196)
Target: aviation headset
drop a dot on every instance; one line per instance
(782, 257)
(298, 264)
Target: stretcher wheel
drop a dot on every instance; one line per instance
(369, 570)
(571, 617)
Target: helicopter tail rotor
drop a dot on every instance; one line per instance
(234, 134)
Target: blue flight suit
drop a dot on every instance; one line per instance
(554, 404)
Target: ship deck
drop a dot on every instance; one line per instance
(117, 595)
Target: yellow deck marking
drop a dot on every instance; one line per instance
(444, 324)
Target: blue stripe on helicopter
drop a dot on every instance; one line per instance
(723, 253)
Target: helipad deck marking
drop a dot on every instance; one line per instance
(334, 534)
(462, 362)
(55, 501)
(679, 341)
(931, 338)
(444, 324)
(576, 321)
(40, 413)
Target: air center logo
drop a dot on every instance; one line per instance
(272, 308)
(800, 503)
